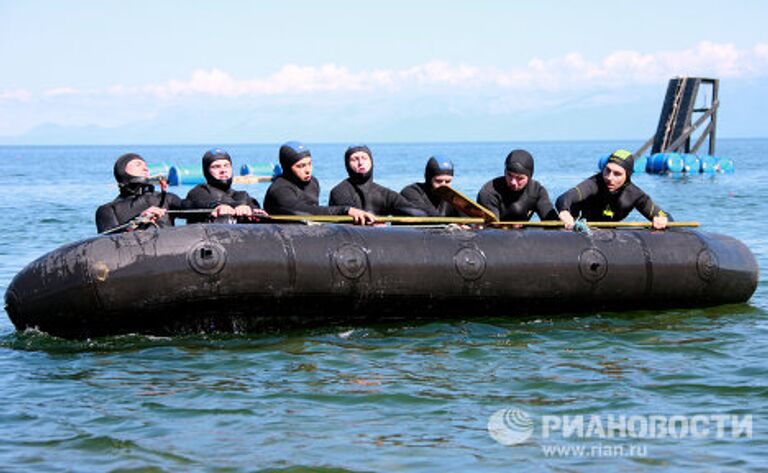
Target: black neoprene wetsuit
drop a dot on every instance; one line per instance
(206, 196)
(289, 197)
(373, 198)
(592, 200)
(420, 196)
(510, 205)
(127, 206)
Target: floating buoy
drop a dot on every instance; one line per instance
(661, 163)
(674, 163)
(641, 162)
(708, 164)
(691, 163)
(724, 165)
(193, 175)
(261, 169)
(185, 175)
(161, 169)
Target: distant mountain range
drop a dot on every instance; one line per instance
(397, 120)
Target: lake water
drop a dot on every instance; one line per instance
(395, 397)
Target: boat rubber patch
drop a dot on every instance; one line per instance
(351, 261)
(470, 263)
(707, 265)
(593, 265)
(207, 257)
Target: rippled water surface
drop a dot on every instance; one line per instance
(389, 397)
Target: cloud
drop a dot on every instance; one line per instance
(627, 68)
(19, 95)
(435, 88)
(761, 51)
(61, 91)
(290, 79)
(572, 71)
(569, 72)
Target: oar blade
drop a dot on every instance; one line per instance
(464, 204)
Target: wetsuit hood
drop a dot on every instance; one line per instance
(209, 157)
(519, 161)
(356, 177)
(437, 166)
(128, 184)
(624, 159)
(291, 153)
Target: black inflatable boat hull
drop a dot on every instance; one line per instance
(256, 278)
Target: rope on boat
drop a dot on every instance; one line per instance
(581, 226)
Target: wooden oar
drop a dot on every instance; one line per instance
(440, 221)
(559, 224)
(379, 219)
(640, 224)
(464, 221)
(464, 204)
(345, 218)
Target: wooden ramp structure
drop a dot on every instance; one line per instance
(682, 115)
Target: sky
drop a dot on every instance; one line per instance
(155, 72)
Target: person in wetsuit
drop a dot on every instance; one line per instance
(359, 190)
(610, 196)
(515, 196)
(137, 198)
(437, 173)
(296, 190)
(217, 193)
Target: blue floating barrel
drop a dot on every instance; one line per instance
(186, 175)
(708, 163)
(675, 162)
(159, 169)
(724, 165)
(640, 163)
(261, 169)
(661, 163)
(691, 163)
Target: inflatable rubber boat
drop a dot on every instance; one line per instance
(266, 277)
